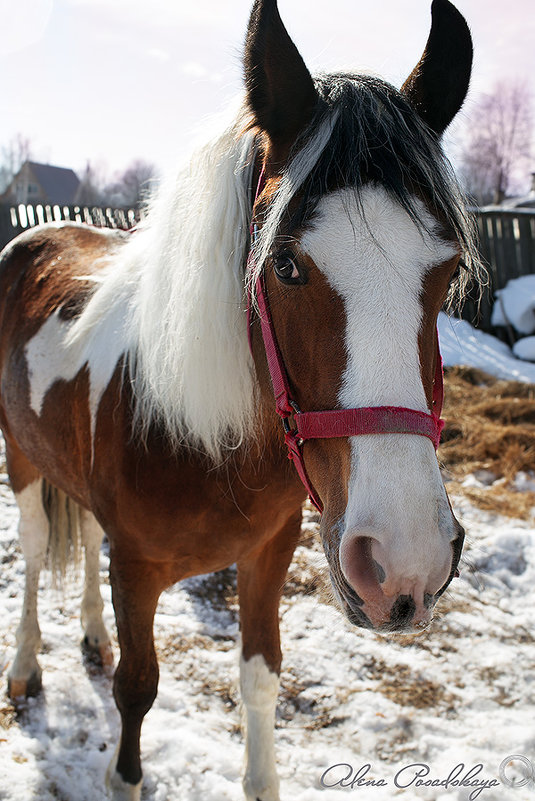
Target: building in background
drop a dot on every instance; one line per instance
(42, 183)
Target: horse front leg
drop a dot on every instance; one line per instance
(136, 587)
(260, 582)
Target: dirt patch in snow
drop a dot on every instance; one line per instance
(8, 716)
(407, 688)
(489, 433)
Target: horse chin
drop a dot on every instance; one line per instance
(400, 617)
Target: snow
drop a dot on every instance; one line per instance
(515, 305)
(460, 343)
(463, 344)
(525, 349)
(462, 693)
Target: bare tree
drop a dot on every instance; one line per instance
(132, 187)
(128, 188)
(13, 155)
(498, 142)
(92, 189)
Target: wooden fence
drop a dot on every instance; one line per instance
(507, 245)
(16, 219)
(507, 240)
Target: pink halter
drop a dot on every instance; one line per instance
(338, 422)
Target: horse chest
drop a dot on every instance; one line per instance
(172, 506)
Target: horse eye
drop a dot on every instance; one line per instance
(286, 269)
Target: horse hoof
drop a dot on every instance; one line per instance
(24, 688)
(98, 655)
(106, 655)
(16, 688)
(117, 789)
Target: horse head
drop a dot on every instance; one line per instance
(359, 230)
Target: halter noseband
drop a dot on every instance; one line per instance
(337, 422)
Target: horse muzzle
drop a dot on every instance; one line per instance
(376, 596)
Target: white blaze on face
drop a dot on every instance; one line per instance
(377, 266)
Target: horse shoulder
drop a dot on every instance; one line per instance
(47, 276)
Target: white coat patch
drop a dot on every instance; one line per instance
(51, 356)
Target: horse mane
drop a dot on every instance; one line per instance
(178, 286)
(177, 292)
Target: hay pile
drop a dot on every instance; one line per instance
(489, 432)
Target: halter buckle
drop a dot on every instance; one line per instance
(288, 428)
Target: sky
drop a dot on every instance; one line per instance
(113, 81)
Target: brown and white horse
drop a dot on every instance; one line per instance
(128, 383)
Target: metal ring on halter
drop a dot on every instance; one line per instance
(286, 421)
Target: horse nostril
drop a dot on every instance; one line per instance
(402, 611)
(379, 569)
(363, 572)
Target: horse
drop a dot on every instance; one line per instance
(292, 273)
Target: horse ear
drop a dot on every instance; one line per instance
(438, 84)
(280, 90)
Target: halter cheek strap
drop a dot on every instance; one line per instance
(337, 422)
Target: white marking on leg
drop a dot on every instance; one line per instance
(33, 533)
(118, 789)
(92, 604)
(259, 690)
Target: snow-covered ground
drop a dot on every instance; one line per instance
(514, 307)
(463, 693)
(460, 343)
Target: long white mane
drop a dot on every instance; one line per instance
(174, 296)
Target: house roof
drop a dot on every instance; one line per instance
(59, 184)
